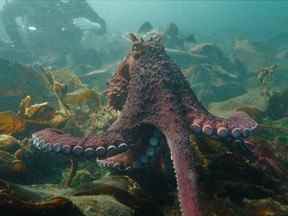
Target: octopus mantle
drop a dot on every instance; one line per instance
(157, 107)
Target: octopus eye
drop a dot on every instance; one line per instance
(137, 50)
(136, 47)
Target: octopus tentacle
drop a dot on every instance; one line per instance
(89, 147)
(185, 173)
(238, 126)
(177, 138)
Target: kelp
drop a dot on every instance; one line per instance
(35, 115)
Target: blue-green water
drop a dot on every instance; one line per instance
(259, 19)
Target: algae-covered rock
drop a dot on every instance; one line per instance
(81, 177)
(265, 207)
(145, 27)
(125, 190)
(249, 54)
(10, 167)
(184, 58)
(101, 205)
(54, 200)
(213, 53)
(253, 112)
(18, 200)
(9, 143)
(213, 75)
(252, 98)
(278, 105)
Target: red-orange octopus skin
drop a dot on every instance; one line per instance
(158, 107)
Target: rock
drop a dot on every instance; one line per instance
(210, 94)
(9, 143)
(212, 75)
(100, 200)
(249, 55)
(238, 179)
(125, 190)
(226, 108)
(265, 207)
(81, 177)
(209, 50)
(215, 56)
(16, 200)
(145, 28)
(184, 59)
(253, 112)
(101, 205)
(278, 105)
(213, 83)
(10, 167)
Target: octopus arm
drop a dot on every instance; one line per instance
(238, 126)
(115, 140)
(177, 138)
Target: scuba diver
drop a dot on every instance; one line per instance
(49, 27)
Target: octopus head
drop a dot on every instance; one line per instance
(141, 51)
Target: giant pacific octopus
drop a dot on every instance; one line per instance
(157, 107)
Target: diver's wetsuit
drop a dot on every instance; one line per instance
(51, 21)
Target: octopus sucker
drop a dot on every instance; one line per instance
(77, 150)
(158, 108)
